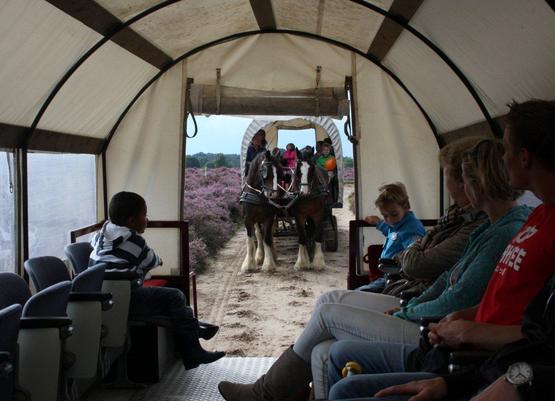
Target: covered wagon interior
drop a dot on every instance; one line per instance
(106, 88)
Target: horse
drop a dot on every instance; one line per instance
(260, 190)
(309, 209)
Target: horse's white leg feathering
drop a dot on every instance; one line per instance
(269, 261)
(249, 264)
(318, 261)
(259, 248)
(303, 261)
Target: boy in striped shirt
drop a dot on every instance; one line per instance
(120, 245)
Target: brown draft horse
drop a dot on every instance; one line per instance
(261, 187)
(310, 209)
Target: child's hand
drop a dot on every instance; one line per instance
(372, 219)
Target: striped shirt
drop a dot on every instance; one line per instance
(122, 248)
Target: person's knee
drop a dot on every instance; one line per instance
(330, 297)
(175, 296)
(343, 389)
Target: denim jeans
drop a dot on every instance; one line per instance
(167, 302)
(319, 356)
(345, 322)
(376, 286)
(383, 365)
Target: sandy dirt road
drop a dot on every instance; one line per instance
(261, 314)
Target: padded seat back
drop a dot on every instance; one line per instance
(51, 301)
(78, 254)
(40, 349)
(13, 290)
(9, 327)
(90, 280)
(46, 271)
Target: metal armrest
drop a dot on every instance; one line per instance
(133, 276)
(389, 266)
(386, 261)
(462, 360)
(407, 295)
(54, 322)
(426, 320)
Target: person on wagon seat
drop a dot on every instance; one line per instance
(460, 287)
(399, 225)
(120, 245)
(256, 146)
(525, 265)
(325, 159)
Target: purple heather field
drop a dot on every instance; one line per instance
(212, 209)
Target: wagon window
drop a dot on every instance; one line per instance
(300, 138)
(7, 212)
(62, 197)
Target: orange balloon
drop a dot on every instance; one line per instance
(330, 164)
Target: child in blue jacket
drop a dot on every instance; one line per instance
(399, 225)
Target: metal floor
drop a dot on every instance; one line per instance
(200, 384)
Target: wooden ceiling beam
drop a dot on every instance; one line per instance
(102, 21)
(389, 30)
(264, 14)
(481, 128)
(12, 136)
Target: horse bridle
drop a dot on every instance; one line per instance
(310, 183)
(262, 176)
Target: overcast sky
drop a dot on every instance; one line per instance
(223, 134)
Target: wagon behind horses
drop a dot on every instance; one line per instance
(285, 223)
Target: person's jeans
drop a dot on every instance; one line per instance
(319, 356)
(376, 286)
(363, 387)
(167, 302)
(383, 365)
(344, 322)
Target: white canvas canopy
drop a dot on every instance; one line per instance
(324, 127)
(109, 78)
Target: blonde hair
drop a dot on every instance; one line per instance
(485, 172)
(451, 155)
(393, 193)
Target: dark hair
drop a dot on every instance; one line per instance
(327, 140)
(532, 126)
(124, 205)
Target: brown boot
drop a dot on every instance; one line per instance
(287, 380)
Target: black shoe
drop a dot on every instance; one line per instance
(206, 330)
(192, 361)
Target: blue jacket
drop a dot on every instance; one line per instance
(464, 284)
(400, 235)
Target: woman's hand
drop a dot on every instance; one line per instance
(392, 311)
(372, 220)
(423, 390)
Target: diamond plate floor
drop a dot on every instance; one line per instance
(200, 384)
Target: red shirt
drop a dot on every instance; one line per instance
(525, 265)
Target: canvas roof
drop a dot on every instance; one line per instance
(109, 77)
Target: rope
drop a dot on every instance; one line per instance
(10, 176)
(188, 111)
